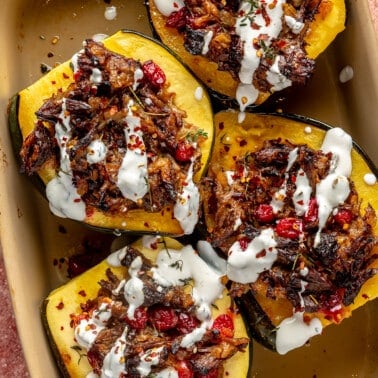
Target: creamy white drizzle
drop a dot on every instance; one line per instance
(110, 13)
(244, 266)
(276, 78)
(148, 359)
(207, 39)
(293, 332)
(96, 151)
(277, 201)
(334, 189)
(64, 201)
(302, 194)
(133, 289)
(187, 204)
(88, 329)
(133, 175)
(295, 26)
(114, 362)
(208, 253)
(167, 373)
(246, 93)
(346, 74)
(198, 93)
(167, 7)
(96, 76)
(370, 179)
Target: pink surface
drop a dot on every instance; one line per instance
(12, 362)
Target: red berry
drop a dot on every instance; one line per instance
(186, 323)
(343, 216)
(225, 325)
(184, 152)
(264, 213)
(154, 74)
(243, 242)
(163, 318)
(140, 319)
(178, 19)
(289, 228)
(183, 370)
(312, 211)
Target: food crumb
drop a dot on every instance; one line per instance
(370, 179)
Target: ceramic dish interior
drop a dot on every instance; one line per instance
(50, 31)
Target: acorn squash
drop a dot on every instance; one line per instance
(258, 143)
(323, 27)
(185, 93)
(64, 303)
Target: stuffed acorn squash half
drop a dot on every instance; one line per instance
(247, 50)
(119, 135)
(153, 308)
(292, 205)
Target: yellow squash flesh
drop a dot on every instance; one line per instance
(66, 300)
(328, 23)
(181, 82)
(253, 131)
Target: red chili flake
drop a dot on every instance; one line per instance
(154, 74)
(146, 224)
(225, 325)
(61, 328)
(261, 253)
(186, 323)
(214, 373)
(60, 306)
(140, 319)
(76, 200)
(221, 125)
(226, 148)
(55, 262)
(343, 216)
(184, 152)
(65, 76)
(242, 143)
(53, 82)
(162, 318)
(289, 228)
(82, 293)
(264, 213)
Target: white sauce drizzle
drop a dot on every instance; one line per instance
(167, 7)
(295, 26)
(277, 201)
(110, 13)
(187, 204)
(198, 93)
(96, 76)
(244, 266)
(370, 179)
(346, 74)
(302, 194)
(63, 198)
(207, 39)
(114, 361)
(334, 189)
(167, 373)
(133, 289)
(133, 175)
(276, 78)
(88, 329)
(293, 332)
(246, 93)
(149, 359)
(97, 151)
(308, 130)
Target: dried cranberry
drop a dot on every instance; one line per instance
(140, 319)
(289, 228)
(312, 211)
(163, 318)
(343, 216)
(264, 213)
(154, 74)
(225, 325)
(178, 19)
(186, 323)
(183, 370)
(184, 152)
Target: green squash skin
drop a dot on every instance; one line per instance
(101, 221)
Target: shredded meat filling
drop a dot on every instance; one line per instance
(97, 110)
(336, 267)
